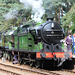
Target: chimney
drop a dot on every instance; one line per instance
(50, 19)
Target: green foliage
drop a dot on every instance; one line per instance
(24, 15)
(73, 20)
(68, 18)
(52, 5)
(11, 1)
(6, 6)
(39, 23)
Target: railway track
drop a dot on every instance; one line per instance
(65, 72)
(7, 72)
(22, 71)
(15, 70)
(62, 72)
(71, 71)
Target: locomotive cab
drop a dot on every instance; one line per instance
(36, 33)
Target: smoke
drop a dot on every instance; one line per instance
(11, 14)
(37, 9)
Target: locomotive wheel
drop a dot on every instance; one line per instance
(11, 58)
(6, 56)
(31, 64)
(68, 65)
(37, 64)
(20, 61)
(42, 65)
(24, 62)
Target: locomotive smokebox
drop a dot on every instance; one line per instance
(51, 32)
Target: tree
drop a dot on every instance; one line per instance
(12, 12)
(69, 20)
(53, 6)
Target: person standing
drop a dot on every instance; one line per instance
(73, 44)
(69, 42)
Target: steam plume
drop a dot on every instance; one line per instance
(11, 14)
(37, 8)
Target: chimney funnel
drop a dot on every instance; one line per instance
(50, 19)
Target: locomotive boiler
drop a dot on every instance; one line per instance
(37, 44)
(49, 32)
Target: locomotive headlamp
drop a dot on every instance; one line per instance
(52, 25)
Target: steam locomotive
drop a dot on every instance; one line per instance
(36, 44)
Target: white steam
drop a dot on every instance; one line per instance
(37, 8)
(11, 14)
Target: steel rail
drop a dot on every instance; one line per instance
(9, 72)
(33, 71)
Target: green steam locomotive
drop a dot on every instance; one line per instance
(35, 44)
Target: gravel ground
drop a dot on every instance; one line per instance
(63, 73)
(19, 71)
(22, 72)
